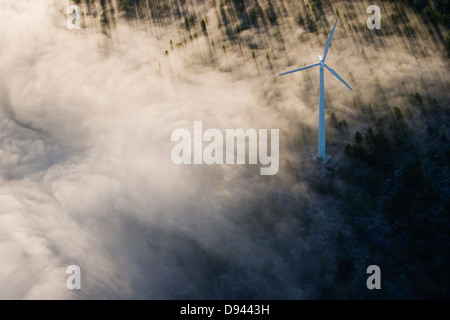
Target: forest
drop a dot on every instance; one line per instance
(390, 189)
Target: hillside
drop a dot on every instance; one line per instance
(86, 176)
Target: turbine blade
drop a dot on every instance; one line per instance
(337, 76)
(300, 69)
(329, 41)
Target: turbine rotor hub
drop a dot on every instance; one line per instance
(321, 59)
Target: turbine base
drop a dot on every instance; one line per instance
(324, 161)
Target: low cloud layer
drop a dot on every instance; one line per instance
(86, 176)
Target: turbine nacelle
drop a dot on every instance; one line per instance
(321, 60)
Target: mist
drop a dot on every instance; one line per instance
(86, 176)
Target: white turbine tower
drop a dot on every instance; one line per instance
(322, 152)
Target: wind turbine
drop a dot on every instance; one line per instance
(322, 152)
